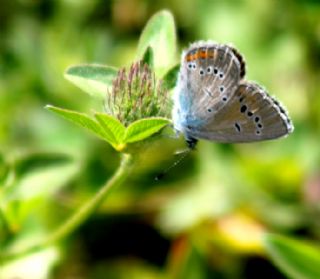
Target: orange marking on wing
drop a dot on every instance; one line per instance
(195, 56)
(198, 54)
(189, 57)
(211, 53)
(203, 54)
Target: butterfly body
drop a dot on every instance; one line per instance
(212, 100)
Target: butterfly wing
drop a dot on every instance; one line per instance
(208, 78)
(213, 102)
(250, 115)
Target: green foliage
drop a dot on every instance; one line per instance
(111, 130)
(220, 199)
(170, 77)
(81, 119)
(160, 35)
(136, 99)
(148, 57)
(35, 178)
(298, 259)
(93, 79)
(137, 94)
(144, 128)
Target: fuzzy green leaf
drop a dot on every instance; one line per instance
(299, 260)
(84, 121)
(143, 128)
(148, 57)
(170, 78)
(93, 79)
(159, 34)
(112, 126)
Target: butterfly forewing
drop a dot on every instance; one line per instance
(212, 74)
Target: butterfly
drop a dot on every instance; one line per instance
(213, 101)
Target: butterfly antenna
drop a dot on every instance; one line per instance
(183, 154)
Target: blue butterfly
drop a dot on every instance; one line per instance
(213, 101)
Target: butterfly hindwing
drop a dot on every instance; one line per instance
(250, 115)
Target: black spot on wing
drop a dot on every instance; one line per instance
(237, 126)
(243, 108)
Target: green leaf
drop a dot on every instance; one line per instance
(299, 260)
(159, 33)
(43, 181)
(91, 78)
(82, 120)
(170, 78)
(30, 161)
(148, 57)
(112, 126)
(144, 128)
(36, 180)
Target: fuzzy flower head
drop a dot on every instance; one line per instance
(137, 94)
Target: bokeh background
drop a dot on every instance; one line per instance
(205, 218)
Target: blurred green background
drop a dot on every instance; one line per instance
(205, 218)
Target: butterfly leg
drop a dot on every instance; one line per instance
(191, 142)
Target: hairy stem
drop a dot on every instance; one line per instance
(79, 216)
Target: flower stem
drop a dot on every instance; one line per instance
(79, 216)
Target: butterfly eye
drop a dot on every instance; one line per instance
(224, 99)
(221, 75)
(221, 88)
(190, 66)
(201, 72)
(209, 70)
(215, 71)
(194, 65)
